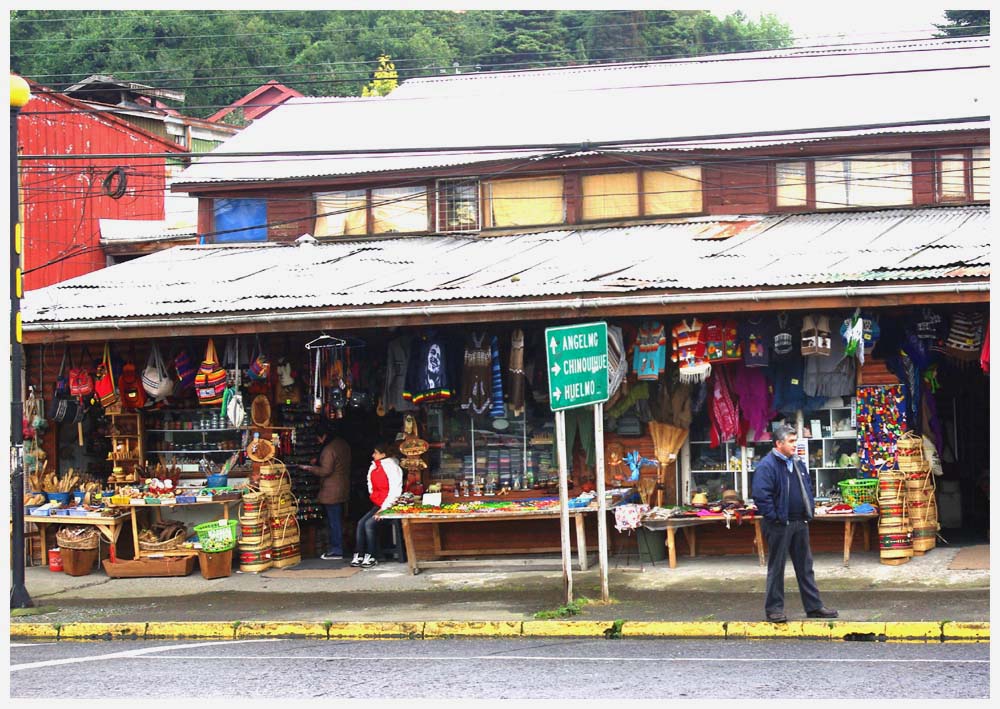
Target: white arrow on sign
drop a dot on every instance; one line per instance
(556, 369)
(555, 394)
(552, 345)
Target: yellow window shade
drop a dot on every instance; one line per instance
(790, 184)
(526, 202)
(342, 214)
(399, 210)
(610, 196)
(675, 191)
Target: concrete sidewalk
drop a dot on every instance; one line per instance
(707, 595)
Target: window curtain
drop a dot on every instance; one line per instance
(348, 216)
(249, 216)
(676, 191)
(399, 209)
(790, 179)
(526, 202)
(952, 185)
(611, 196)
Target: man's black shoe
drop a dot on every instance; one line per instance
(823, 612)
(777, 617)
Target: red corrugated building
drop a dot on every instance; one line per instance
(63, 199)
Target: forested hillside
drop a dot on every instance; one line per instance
(216, 56)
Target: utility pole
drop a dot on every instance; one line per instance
(20, 92)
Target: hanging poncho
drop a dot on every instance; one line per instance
(723, 411)
(477, 385)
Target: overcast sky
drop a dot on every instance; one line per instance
(871, 21)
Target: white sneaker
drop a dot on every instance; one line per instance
(368, 562)
(356, 561)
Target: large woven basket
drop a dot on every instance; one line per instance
(85, 541)
(287, 555)
(284, 531)
(255, 560)
(910, 445)
(172, 543)
(924, 535)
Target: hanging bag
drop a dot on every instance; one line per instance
(130, 389)
(210, 381)
(64, 408)
(186, 371)
(104, 382)
(81, 381)
(155, 377)
(260, 366)
(232, 399)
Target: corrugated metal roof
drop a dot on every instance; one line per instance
(662, 100)
(766, 251)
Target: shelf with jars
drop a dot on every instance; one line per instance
(191, 434)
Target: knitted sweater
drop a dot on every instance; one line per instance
(649, 356)
(689, 351)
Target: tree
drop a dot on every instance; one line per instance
(965, 23)
(386, 78)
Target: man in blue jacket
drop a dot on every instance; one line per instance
(782, 491)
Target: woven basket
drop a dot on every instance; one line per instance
(171, 543)
(253, 512)
(910, 444)
(924, 536)
(255, 560)
(913, 465)
(260, 450)
(275, 481)
(84, 542)
(284, 531)
(895, 545)
(287, 555)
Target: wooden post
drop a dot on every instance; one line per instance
(602, 504)
(567, 560)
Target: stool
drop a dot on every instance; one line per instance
(396, 552)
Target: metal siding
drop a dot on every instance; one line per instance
(63, 200)
(773, 251)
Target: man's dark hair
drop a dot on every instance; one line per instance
(781, 432)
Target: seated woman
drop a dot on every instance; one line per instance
(385, 485)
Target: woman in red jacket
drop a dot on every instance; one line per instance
(385, 485)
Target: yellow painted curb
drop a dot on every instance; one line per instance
(764, 629)
(206, 629)
(487, 628)
(842, 629)
(959, 630)
(375, 630)
(39, 631)
(280, 629)
(915, 630)
(102, 631)
(565, 628)
(673, 629)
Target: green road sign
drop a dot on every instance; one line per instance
(577, 358)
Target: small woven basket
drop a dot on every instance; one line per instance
(910, 445)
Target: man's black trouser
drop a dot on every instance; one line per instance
(784, 541)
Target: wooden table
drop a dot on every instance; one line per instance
(689, 527)
(849, 520)
(109, 527)
(139, 553)
(410, 520)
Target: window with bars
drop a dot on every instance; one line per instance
(458, 205)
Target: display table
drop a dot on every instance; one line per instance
(139, 553)
(109, 527)
(409, 520)
(689, 526)
(849, 521)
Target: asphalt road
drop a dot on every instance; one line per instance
(501, 669)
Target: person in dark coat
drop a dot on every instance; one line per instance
(782, 491)
(333, 467)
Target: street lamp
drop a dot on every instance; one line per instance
(20, 92)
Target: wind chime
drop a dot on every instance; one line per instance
(331, 376)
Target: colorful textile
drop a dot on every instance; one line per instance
(723, 411)
(515, 367)
(830, 376)
(816, 338)
(497, 409)
(881, 421)
(689, 351)
(965, 338)
(629, 517)
(784, 340)
(427, 376)
(984, 356)
(756, 348)
(751, 389)
(860, 334)
(722, 343)
(649, 354)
